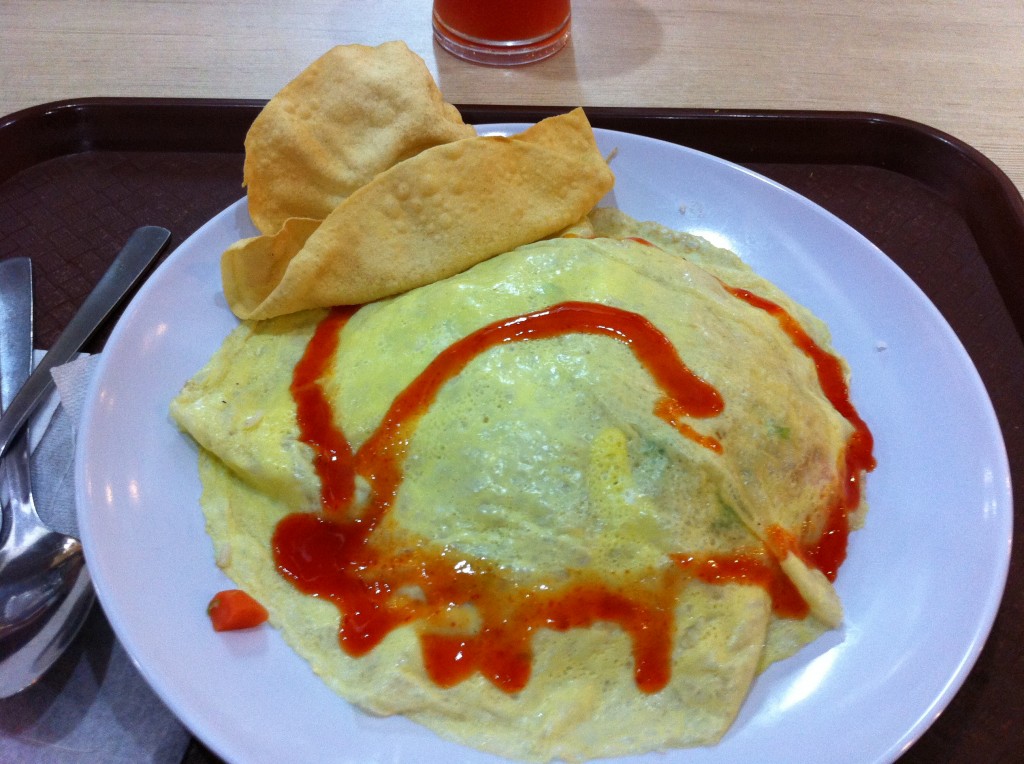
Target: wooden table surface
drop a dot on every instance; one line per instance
(957, 65)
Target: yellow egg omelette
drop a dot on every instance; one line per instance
(566, 504)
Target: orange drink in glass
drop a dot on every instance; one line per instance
(502, 32)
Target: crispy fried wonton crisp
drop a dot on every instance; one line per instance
(427, 218)
(353, 113)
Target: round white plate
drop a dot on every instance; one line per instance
(921, 584)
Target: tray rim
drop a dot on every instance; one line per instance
(989, 200)
(960, 174)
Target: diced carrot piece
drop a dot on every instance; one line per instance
(234, 609)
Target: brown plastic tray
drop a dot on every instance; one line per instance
(77, 177)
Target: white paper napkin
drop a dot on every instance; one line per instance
(93, 705)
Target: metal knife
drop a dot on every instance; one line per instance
(134, 259)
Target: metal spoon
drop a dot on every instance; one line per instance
(45, 590)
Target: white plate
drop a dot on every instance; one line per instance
(921, 584)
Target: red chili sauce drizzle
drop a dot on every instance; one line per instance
(761, 566)
(331, 554)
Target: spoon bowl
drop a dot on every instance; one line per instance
(45, 597)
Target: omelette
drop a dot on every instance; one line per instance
(565, 504)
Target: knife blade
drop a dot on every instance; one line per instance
(132, 261)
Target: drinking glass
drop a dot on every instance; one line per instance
(502, 32)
